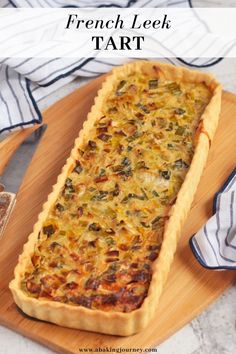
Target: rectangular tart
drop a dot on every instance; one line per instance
(102, 247)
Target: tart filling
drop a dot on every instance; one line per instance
(98, 243)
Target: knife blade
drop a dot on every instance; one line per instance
(12, 176)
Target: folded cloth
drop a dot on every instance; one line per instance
(214, 245)
(25, 81)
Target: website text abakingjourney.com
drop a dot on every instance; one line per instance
(117, 350)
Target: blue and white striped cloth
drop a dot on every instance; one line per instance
(214, 245)
(24, 82)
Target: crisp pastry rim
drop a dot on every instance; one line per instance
(112, 322)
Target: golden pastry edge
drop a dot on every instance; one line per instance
(118, 323)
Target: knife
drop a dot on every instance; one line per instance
(11, 177)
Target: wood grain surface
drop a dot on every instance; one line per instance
(10, 144)
(189, 289)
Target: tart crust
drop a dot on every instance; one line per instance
(112, 322)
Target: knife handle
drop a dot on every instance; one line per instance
(10, 144)
(7, 202)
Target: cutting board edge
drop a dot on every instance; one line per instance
(41, 340)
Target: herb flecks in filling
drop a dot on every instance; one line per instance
(105, 230)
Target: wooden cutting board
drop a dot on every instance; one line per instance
(189, 289)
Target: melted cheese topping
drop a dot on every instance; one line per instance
(98, 243)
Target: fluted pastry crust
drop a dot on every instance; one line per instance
(114, 322)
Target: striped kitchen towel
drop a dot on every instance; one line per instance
(214, 245)
(26, 81)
